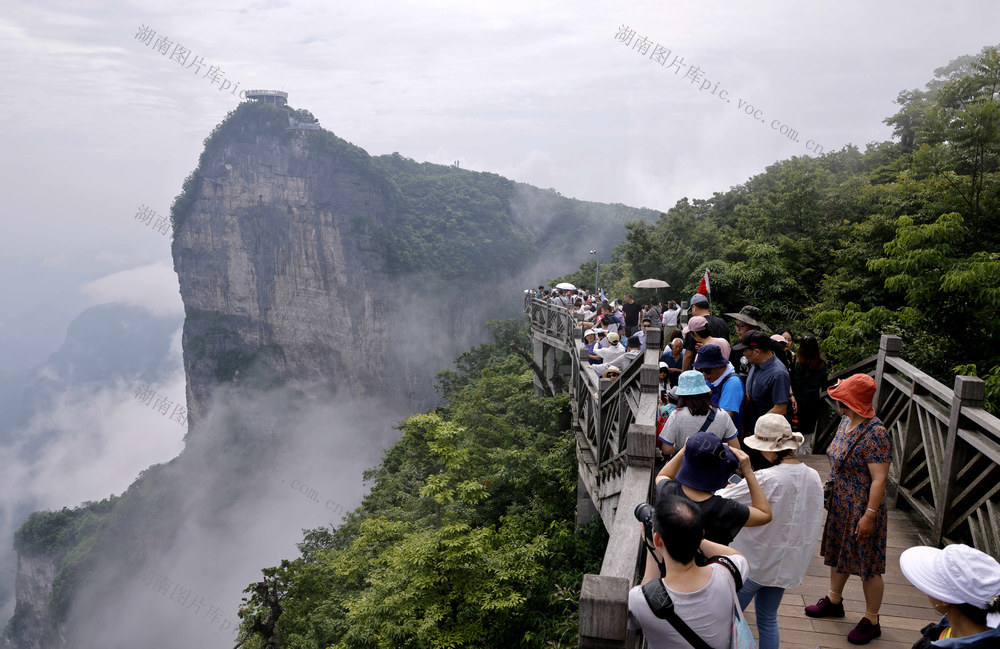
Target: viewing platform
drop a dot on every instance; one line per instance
(274, 97)
(944, 480)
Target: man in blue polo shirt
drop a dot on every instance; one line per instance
(727, 387)
(768, 383)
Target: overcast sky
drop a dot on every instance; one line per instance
(95, 123)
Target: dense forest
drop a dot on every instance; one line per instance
(903, 238)
(466, 538)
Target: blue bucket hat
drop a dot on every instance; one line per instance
(690, 383)
(708, 463)
(709, 356)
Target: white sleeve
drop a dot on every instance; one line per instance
(670, 430)
(742, 564)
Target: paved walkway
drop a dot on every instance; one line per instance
(905, 610)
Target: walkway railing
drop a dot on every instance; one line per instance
(615, 423)
(946, 449)
(945, 467)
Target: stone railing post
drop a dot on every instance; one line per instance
(969, 393)
(654, 338)
(603, 612)
(683, 318)
(649, 377)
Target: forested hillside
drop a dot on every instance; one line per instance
(903, 238)
(466, 538)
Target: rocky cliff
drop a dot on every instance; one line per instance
(310, 272)
(32, 627)
(277, 264)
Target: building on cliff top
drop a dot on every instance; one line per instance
(276, 97)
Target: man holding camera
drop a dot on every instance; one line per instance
(690, 601)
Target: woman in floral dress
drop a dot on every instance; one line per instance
(854, 539)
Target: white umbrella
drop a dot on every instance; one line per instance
(651, 283)
(566, 286)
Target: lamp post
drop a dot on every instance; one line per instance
(597, 270)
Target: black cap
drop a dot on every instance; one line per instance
(754, 340)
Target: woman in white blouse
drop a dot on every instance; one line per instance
(779, 552)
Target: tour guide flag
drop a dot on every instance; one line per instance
(704, 287)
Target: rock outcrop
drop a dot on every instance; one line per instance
(306, 263)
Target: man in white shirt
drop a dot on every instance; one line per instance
(611, 352)
(670, 316)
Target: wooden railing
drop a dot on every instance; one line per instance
(549, 321)
(615, 424)
(945, 449)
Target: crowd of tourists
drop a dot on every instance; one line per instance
(736, 516)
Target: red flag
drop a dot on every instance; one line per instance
(704, 288)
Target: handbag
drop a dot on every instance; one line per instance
(828, 485)
(742, 635)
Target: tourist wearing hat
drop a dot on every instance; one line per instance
(664, 376)
(780, 552)
(698, 326)
(695, 413)
(780, 348)
(854, 538)
(717, 327)
(963, 585)
(590, 340)
(748, 319)
(609, 353)
(726, 385)
(698, 471)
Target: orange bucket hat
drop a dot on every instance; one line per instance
(857, 393)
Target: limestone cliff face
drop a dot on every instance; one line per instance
(32, 627)
(279, 269)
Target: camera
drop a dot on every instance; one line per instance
(644, 513)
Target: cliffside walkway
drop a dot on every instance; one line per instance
(944, 480)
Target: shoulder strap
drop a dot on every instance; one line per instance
(728, 564)
(663, 607)
(708, 420)
(734, 375)
(849, 450)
